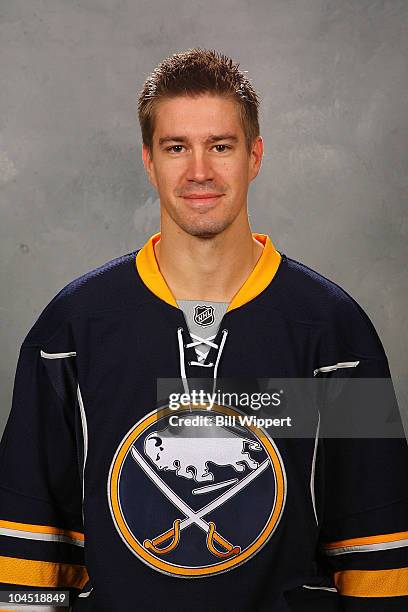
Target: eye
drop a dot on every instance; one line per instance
(221, 148)
(174, 147)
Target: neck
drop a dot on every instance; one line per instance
(211, 269)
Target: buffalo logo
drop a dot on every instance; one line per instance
(203, 315)
(191, 460)
(196, 501)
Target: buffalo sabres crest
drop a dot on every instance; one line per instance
(196, 501)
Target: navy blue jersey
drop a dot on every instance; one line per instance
(96, 496)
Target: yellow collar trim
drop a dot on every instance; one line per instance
(260, 277)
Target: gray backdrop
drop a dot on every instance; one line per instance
(332, 191)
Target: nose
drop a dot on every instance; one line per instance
(199, 167)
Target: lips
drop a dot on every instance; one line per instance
(202, 201)
(202, 196)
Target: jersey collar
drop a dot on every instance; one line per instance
(260, 277)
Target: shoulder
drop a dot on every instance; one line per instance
(311, 297)
(111, 286)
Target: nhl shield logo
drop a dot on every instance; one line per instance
(199, 501)
(203, 315)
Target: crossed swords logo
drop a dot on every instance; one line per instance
(194, 517)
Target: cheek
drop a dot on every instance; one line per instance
(171, 173)
(167, 180)
(236, 172)
(236, 178)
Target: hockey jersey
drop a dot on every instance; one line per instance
(96, 498)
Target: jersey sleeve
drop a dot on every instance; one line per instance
(364, 490)
(41, 462)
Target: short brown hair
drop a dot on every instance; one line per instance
(194, 72)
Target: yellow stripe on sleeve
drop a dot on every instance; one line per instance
(42, 573)
(375, 539)
(372, 583)
(76, 535)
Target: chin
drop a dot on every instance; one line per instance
(203, 229)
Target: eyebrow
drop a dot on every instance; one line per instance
(212, 138)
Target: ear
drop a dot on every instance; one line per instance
(148, 164)
(256, 157)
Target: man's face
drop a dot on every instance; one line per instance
(200, 166)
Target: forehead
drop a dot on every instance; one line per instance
(197, 117)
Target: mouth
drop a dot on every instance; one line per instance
(202, 200)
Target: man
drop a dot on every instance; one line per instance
(104, 495)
